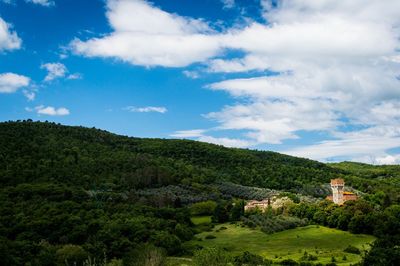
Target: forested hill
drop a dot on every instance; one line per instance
(42, 152)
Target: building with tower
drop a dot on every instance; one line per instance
(339, 196)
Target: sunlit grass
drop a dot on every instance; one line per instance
(320, 241)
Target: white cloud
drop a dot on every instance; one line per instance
(194, 133)
(227, 142)
(147, 109)
(29, 94)
(199, 134)
(75, 76)
(337, 66)
(9, 40)
(388, 159)
(367, 145)
(10, 82)
(191, 74)
(46, 3)
(49, 110)
(228, 3)
(54, 71)
(151, 37)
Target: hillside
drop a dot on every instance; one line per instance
(75, 194)
(41, 152)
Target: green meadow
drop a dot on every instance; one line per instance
(322, 242)
(198, 220)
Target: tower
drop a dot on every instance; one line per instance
(337, 186)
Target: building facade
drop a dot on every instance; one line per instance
(339, 196)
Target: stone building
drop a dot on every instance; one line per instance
(339, 196)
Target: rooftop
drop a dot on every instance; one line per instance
(337, 181)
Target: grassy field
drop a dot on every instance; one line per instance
(197, 220)
(320, 241)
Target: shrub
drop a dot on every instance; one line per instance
(71, 254)
(210, 237)
(250, 259)
(211, 256)
(352, 249)
(203, 208)
(288, 262)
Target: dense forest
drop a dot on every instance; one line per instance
(83, 195)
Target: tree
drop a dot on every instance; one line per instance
(237, 210)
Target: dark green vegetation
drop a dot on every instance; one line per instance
(73, 194)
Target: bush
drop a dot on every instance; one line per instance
(71, 254)
(203, 208)
(211, 257)
(288, 262)
(308, 257)
(171, 243)
(352, 250)
(210, 237)
(250, 259)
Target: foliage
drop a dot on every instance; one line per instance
(250, 259)
(145, 255)
(71, 255)
(352, 249)
(211, 257)
(273, 223)
(40, 152)
(203, 208)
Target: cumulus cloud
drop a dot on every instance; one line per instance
(10, 82)
(9, 39)
(46, 3)
(49, 110)
(54, 71)
(147, 109)
(152, 37)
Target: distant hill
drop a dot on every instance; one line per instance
(367, 170)
(42, 152)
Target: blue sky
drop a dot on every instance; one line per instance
(316, 80)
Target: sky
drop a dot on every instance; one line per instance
(314, 79)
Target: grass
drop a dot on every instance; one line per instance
(320, 241)
(198, 220)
